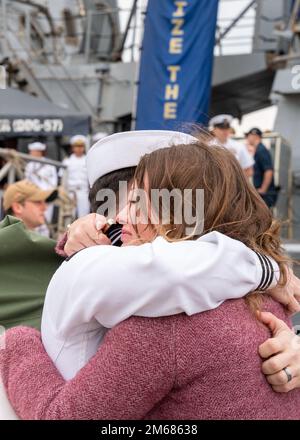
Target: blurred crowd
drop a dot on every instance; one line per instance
(252, 154)
(32, 198)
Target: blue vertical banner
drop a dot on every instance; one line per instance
(176, 63)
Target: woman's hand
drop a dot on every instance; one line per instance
(279, 352)
(289, 295)
(86, 232)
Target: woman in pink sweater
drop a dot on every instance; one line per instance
(201, 367)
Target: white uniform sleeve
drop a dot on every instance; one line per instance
(53, 176)
(28, 170)
(110, 284)
(62, 170)
(246, 160)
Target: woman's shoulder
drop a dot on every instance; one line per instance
(234, 309)
(147, 342)
(231, 320)
(144, 332)
(242, 306)
(142, 326)
(230, 311)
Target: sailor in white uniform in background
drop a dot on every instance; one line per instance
(220, 126)
(77, 180)
(42, 175)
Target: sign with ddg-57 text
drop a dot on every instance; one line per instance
(20, 126)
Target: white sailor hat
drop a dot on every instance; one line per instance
(123, 150)
(98, 136)
(79, 140)
(222, 121)
(37, 146)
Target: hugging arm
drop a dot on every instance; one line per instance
(84, 233)
(131, 372)
(281, 350)
(154, 279)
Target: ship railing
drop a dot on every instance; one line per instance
(70, 36)
(244, 32)
(235, 32)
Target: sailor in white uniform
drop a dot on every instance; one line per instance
(103, 285)
(77, 181)
(220, 126)
(42, 175)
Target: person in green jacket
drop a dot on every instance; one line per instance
(27, 259)
(28, 202)
(27, 263)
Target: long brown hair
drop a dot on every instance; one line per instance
(231, 204)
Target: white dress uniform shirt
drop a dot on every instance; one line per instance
(78, 182)
(241, 153)
(44, 176)
(103, 285)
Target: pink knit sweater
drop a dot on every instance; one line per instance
(60, 245)
(201, 367)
